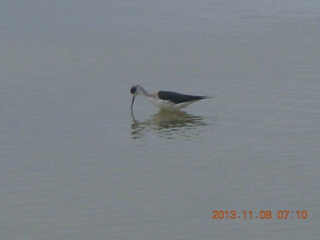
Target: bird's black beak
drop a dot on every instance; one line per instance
(132, 103)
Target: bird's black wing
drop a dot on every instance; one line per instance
(178, 97)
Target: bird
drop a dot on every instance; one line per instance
(165, 100)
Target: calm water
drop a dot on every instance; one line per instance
(76, 165)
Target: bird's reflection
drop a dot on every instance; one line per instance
(171, 125)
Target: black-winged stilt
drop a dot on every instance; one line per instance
(165, 100)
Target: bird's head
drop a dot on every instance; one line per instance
(135, 90)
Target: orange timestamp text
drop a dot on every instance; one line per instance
(262, 214)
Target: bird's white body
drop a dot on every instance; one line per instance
(168, 105)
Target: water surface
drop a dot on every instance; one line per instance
(75, 164)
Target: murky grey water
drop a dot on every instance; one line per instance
(76, 165)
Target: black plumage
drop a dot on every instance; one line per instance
(178, 97)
